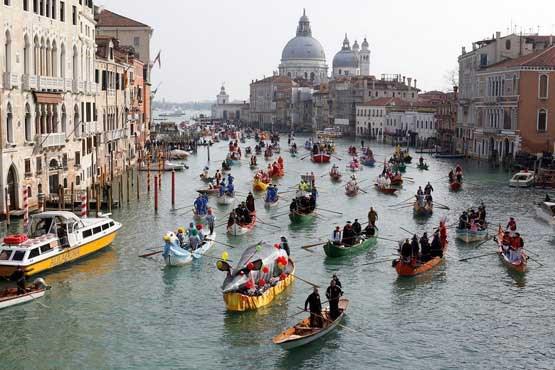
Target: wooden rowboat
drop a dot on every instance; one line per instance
(385, 189)
(301, 218)
(423, 167)
(334, 250)
(10, 297)
(271, 204)
(241, 229)
(425, 210)
(397, 180)
(468, 236)
(409, 269)
(302, 334)
(225, 199)
(321, 158)
(335, 176)
(351, 189)
(455, 186)
(518, 266)
(213, 191)
(259, 185)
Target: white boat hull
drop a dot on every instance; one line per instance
(468, 236)
(199, 252)
(236, 229)
(225, 200)
(544, 215)
(309, 339)
(24, 298)
(178, 257)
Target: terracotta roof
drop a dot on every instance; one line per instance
(110, 19)
(542, 58)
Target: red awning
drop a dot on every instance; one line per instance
(48, 98)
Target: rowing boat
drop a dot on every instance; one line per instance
(340, 250)
(209, 191)
(335, 176)
(385, 189)
(423, 167)
(366, 161)
(423, 210)
(302, 334)
(468, 236)
(408, 269)
(259, 185)
(321, 158)
(241, 229)
(399, 167)
(10, 296)
(516, 265)
(175, 255)
(455, 185)
(204, 177)
(271, 204)
(301, 218)
(351, 189)
(396, 180)
(225, 199)
(198, 217)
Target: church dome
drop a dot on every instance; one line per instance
(303, 45)
(345, 58)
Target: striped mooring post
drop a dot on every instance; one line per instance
(83, 206)
(25, 208)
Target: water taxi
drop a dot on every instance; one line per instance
(55, 238)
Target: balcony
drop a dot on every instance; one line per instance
(87, 129)
(68, 84)
(78, 86)
(10, 80)
(50, 83)
(51, 140)
(30, 82)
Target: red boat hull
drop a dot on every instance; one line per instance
(321, 158)
(455, 186)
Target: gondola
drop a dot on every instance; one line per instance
(302, 334)
(518, 266)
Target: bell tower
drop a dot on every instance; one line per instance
(364, 58)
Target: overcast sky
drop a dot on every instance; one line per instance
(207, 42)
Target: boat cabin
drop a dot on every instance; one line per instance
(522, 179)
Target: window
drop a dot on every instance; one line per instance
(65, 183)
(96, 76)
(97, 229)
(39, 165)
(28, 166)
(74, 15)
(64, 162)
(53, 9)
(5, 255)
(508, 44)
(28, 125)
(62, 11)
(18, 256)
(105, 226)
(77, 159)
(483, 60)
(26, 5)
(35, 6)
(87, 233)
(77, 180)
(543, 87)
(9, 124)
(542, 120)
(7, 2)
(136, 41)
(34, 253)
(45, 248)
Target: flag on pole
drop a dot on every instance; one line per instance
(157, 59)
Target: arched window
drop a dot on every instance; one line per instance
(9, 124)
(28, 124)
(508, 44)
(76, 123)
(63, 61)
(48, 59)
(542, 120)
(75, 64)
(8, 52)
(64, 119)
(36, 56)
(54, 60)
(312, 76)
(543, 87)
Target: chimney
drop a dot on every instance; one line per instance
(497, 35)
(415, 83)
(455, 91)
(409, 80)
(403, 80)
(550, 40)
(463, 50)
(474, 46)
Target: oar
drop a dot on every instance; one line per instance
(364, 191)
(404, 201)
(334, 156)
(407, 206)
(150, 254)
(306, 281)
(309, 246)
(281, 214)
(410, 232)
(480, 256)
(222, 243)
(265, 223)
(443, 205)
(389, 240)
(327, 210)
(376, 262)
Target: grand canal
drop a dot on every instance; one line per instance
(115, 310)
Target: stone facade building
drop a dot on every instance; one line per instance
(480, 121)
(226, 110)
(51, 102)
(270, 101)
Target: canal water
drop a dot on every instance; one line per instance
(116, 310)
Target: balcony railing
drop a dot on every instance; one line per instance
(51, 140)
(10, 80)
(50, 83)
(68, 84)
(78, 86)
(30, 82)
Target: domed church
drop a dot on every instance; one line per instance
(303, 56)
(352, 61)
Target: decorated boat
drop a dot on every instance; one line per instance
(175, 255)
(335, 175)
(55, 238)
(518, 263)
(11, 296)
(396, 180)
(386, 189)
(340, 250)
(302, 334)
(354, 165)
(259, 185)
(262, 273)
(423, 209)
(468, 236)
(320, 158)
(237, 228)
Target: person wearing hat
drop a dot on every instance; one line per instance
(284, 245)
(425, 249)
(357, 227)
(337, 282)
(348, 235)
(194, 240)
(333, 294)
(313, 302)
(336, 236)
(181, 235)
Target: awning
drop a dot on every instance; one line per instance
(48, 98)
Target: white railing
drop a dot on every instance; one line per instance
(51, 140)
(30, 82)
(10, 80)
(50, 83)
(89, 128)
(68, 84)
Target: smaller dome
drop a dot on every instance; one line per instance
(346, 58)
(355, 46)
(365, 44)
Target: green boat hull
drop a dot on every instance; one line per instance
(335, 251)
(300, 219)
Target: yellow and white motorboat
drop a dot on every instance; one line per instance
(55, 238)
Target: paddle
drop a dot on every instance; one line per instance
(309, 246)
(410, 232)
(389, 240)
(480, 256)
(224, 244)
(376, 262)
(443, 205)
(306, 281)
(150, 254)
(403, 202)
(327, 210)
(334, 156)
(264, 223)
(535, 260)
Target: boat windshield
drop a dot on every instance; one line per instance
(41, 226)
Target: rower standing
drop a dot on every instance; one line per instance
(357, 228)
(210, 219)
(333, 293)
(336, 236)
(372, 216)
(315, 305)
(428, 189)
(511, 226)
(19, 277)
(250, 202)
(337, 282)
(285, 245)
